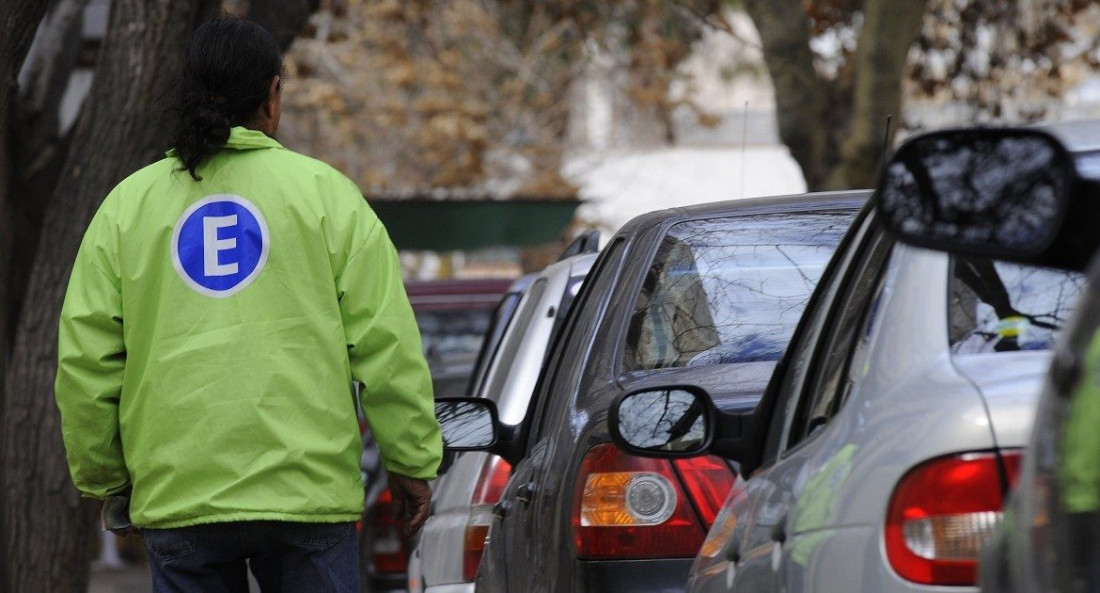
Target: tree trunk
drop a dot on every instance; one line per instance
(35, 121)
(19, 21)
(801, 97)
(890, 27)
(46, 528)
(283, 19)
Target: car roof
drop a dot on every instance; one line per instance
(1076, 136)
(476, 293)
(745, 207)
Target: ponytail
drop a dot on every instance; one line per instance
(228, 67)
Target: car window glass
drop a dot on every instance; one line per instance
(822, 394)
(798, 366)
(729, 290)
(858, 364)
(501, 319)
(451, 332)
(507, 355)
(1002, 307)
(561, 373)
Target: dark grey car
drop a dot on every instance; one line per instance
(710, 294)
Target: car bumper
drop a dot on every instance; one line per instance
(636, 575)
(459, 588)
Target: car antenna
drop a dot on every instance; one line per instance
(744, 134)
(885, 146)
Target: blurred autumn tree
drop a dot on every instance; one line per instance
(840, 67)
(472, 96)
(1003, 61)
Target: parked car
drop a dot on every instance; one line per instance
(453, 316)
(708, 294)
(450, 545)
(1032, 196)
(457, 319)
(879, 455)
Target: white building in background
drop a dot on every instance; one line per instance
(624, 169)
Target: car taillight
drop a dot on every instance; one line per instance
(388, 548)
(708, 480)
(490, 487)
(628, 507)
(941, 514)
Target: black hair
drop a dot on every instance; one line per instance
(228, 65)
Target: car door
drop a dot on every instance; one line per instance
(810, 391)
(1057, 506)
(522, 538)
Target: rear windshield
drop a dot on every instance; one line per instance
(1003, 307)
(452, 332)
(730, 290)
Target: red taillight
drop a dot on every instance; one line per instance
(629, 507)
(708, 480)
(941, 514)
(388, 548)
(490, 486)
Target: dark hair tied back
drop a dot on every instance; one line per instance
(227, 71)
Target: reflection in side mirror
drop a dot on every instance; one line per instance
(1001, 193)
(466, 423)
(671, 420)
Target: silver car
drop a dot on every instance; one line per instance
(1027, 195)
(450, 546)
(879, 455)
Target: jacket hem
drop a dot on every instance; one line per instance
(251, 516)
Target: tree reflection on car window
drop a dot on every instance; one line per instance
(1002, 307)
(730, 290)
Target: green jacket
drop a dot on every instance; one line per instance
(211, 334)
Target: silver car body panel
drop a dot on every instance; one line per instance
(509, 382)
(909, 403)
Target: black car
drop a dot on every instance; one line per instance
(710, 294)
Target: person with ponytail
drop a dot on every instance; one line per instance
(222, 305)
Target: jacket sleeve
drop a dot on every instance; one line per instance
(91, 362)
(386, 356)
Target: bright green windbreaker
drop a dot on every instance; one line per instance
(210, 335)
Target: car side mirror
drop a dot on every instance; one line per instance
(1005, 193)
(673, 421)
(467, 423)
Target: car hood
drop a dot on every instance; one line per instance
(1010, 384)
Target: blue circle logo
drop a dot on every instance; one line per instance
(220, 245)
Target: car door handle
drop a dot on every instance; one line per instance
(779, 530)
(525, 492)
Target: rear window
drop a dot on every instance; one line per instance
(453, 332)
(730, 290)
(1001, 307)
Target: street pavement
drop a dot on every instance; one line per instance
(130, 578)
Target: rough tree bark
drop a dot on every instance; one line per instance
(35, 121)
(19, 21)
(283, 19)
(801, 96)
(46, 528)
(890, 27)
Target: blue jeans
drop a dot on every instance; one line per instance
(284, 557)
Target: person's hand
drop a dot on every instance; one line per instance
(125, 531)
(115, 514)
(412, 501)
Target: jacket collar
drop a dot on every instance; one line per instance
(242, 138)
